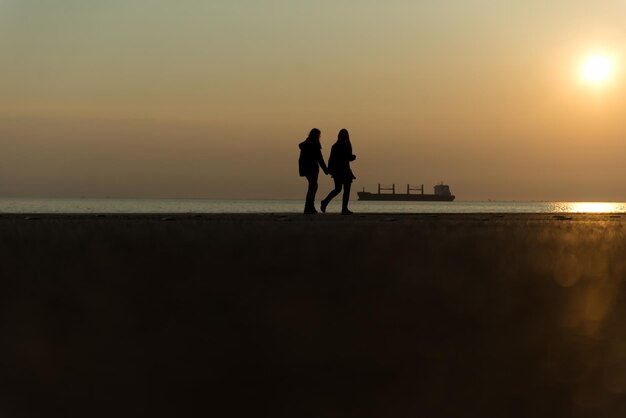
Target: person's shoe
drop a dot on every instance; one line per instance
(346, 212)
(310, 211)
(323, 205)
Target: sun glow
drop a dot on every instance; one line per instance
(597, 69)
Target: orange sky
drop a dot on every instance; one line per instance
(128, 98)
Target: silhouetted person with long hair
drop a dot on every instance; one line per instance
(339, 168)
(309, 165)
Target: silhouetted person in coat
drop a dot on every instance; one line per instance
(339, 168)
(309, 164)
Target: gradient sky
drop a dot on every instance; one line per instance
(195, 98)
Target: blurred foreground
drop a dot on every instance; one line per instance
(323, 316)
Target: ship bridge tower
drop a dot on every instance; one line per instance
(442, 190)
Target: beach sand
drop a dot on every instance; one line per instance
(286, 315)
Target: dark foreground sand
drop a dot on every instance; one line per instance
(321, 316)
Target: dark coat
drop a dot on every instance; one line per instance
(311, 158)
(339, 162)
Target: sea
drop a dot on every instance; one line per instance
(174, 206)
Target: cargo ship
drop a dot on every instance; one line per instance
(441, 194)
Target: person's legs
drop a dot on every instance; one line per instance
(334, 192)
(346, 198)
(309, 204)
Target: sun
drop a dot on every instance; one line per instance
(597, 69)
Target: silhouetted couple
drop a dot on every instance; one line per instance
(311, 160)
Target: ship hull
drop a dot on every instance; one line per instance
(404, 197)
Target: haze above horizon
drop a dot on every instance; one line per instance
(128, 98)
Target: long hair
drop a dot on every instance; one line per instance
(343, 137)
(343, 141)
(314, 135)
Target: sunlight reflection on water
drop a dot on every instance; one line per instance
(594, 207)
